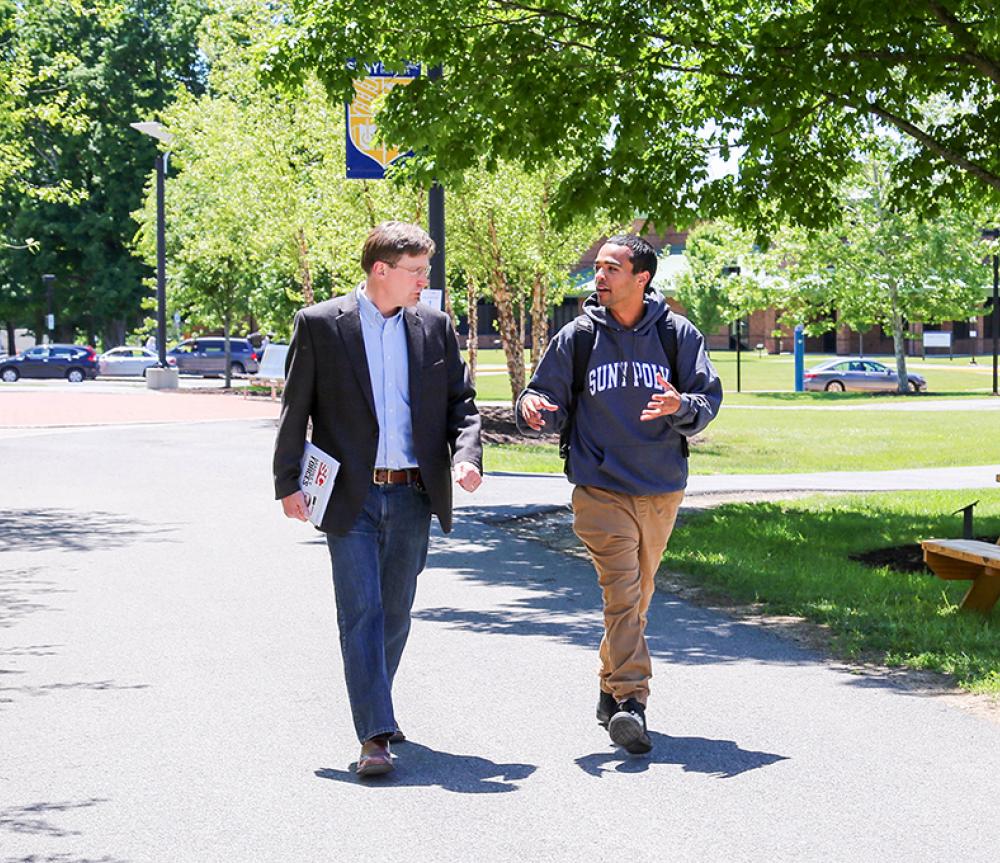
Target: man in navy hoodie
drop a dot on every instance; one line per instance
(648, 386)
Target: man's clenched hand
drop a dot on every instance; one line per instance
(295, 506)
(467, 476)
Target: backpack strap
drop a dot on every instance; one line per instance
(583, 346)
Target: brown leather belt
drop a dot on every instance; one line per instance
(404, 476)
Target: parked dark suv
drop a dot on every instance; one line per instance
(73, 362)
(206, 355)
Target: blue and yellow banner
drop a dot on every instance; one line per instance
(367, 160)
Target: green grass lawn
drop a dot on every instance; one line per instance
(771, 379)
(803, 441)
(793, 558)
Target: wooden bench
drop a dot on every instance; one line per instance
(958, 559)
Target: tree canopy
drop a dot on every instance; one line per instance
(80, 72)
(646, 98)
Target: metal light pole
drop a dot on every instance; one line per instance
(994, 234)
(734, 270)
(435, 225)
(50, 319)
(156, 130)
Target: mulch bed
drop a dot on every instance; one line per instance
(499, 427)
(902, 558)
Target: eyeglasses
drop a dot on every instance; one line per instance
(418, 272)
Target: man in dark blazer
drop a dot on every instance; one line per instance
(383, 382)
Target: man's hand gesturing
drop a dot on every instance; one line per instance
(662, 404)
(531, 410)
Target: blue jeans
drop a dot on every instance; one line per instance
(375, 569)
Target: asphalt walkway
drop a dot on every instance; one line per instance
(171, 690)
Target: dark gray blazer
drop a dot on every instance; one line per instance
(327, 380)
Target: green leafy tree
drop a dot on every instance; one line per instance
(82, 72)
(642, 99)
(260, 217)
(881, 264)
(503, 236)
(720, 283)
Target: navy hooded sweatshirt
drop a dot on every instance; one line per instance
(609, 447)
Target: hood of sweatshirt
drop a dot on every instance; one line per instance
(654, 307)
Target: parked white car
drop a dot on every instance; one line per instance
(128, 360)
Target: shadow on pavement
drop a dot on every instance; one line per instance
(50, 688)
(559, 598)
(421, 766)
(72, 530)
(31, 819)
(21, 593)
(61, 858)
(721, 759)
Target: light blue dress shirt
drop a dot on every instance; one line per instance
(389, 369)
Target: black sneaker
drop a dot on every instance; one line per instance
(628, 728)
(606, 708)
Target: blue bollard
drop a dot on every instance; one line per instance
(800, 359)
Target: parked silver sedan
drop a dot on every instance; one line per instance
(859, 375)
(128, 361)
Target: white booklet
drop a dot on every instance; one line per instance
(319, 470)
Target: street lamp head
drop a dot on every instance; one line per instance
(154, 130)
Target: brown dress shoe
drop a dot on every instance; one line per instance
(375, 758)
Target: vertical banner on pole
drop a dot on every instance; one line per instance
(367, 160)
(800, 358)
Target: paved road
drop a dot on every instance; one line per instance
(170, 690)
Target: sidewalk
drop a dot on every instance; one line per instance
(34, 408)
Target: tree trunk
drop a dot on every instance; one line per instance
(899, 342)
(539, 289)
(366, 196)
(522, 319)
(539, 319)
(113, 332)
(510, 337)
(228, 349)
(305, 274)
(11, 338)
(472, 343)
(449, 307)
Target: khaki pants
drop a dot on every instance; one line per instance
(625, 535)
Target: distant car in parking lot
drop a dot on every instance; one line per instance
(860, 376)
(128, 360)
(73, 362)
(206, 355)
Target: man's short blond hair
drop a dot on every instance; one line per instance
(390, 241)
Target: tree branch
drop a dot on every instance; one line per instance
(918, 134)
(972, 52)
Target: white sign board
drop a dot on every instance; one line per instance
(937, 340)
(432, 297)
(272, 364)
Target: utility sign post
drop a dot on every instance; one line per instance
(367, 160)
